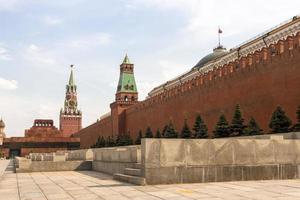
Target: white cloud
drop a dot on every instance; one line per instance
(8, 4)
(4, 54)
(8, 84)
(88, 41)
(38, 56)
(170, 69)
(52, 20)
(204, 16)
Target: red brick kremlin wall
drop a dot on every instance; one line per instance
(258, 82)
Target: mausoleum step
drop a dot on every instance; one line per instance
(137, 165)
(10, 167)
(133, 171)
(130, 179)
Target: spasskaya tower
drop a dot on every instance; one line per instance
(70, 117)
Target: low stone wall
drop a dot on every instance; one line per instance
(27, 165)
(83, 154)
(208, 160)
(115, 160)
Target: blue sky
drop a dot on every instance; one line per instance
(40, 39)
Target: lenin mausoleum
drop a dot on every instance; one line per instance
(259, 75)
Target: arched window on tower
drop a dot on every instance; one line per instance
(132, 98)
(125, 98)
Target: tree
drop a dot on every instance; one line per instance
(164, 131)
(279, 123)
(110, 142)
(97, 142)
(148, 133)
(297, 125)
(120, 140)
(252, 128)
(200, 129)
(100, 142)
(222, 128)
(127, 140)
(139, 138)
(124, 140)
(170, 131)
(237, 125)
(158, 134)
(185, 132)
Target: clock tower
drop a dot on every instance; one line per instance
(70, 117)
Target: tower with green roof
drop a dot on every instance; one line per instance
(126, 90)
(126, 95)
(70, 115)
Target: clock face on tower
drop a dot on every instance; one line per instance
(72, 103)
(69, 96)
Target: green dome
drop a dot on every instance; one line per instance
(218, 52)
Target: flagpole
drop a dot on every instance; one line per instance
(219, 35)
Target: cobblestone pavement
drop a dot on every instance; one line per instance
(93, 185)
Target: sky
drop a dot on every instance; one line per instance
(40, 39)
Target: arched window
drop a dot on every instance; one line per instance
(125, 98)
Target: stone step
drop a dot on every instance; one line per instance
(133, 172)
(130, 179)
(137, 165)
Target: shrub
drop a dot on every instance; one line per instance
(222, 128)
(170, 131)
(252, 128)
(237, 124)
(148, 133)
(110, 142)
(139, 137)
(279, 123)
(158, 134)
(185, 132)
(200, 129)
(297, 125)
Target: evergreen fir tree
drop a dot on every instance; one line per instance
(127, 140)
(164, 131)
(252, 128)
(101, 142)
(170, 131)
(185, 132)
(158, 134)
(120, 140)
(97, 144)
(148, 133)
(279, 123)
(110, 142)
(200, 129)
(237, 125)
(297, 125)
(139, 137)
(222, 128)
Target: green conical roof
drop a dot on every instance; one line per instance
(71, 79)
(126, 80)
(127, 83)
(126, 60)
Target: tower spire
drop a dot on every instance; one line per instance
(71, 79)
(126, 60)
